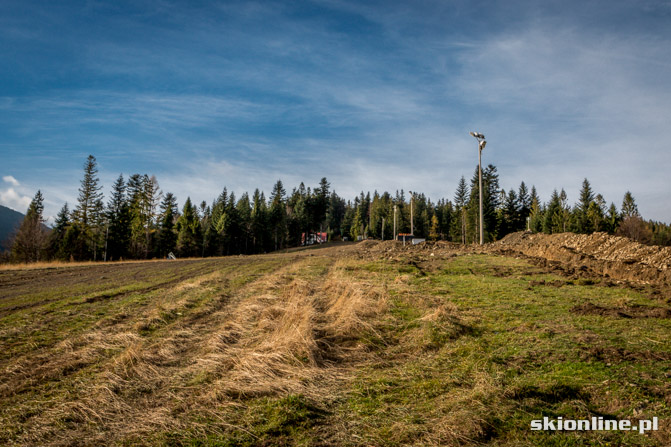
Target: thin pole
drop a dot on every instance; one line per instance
(412, 221)
(394, 222)
(107, 233)
(383, 228)
(482, 237)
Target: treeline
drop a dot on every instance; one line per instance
(139, 221)
(592, 214)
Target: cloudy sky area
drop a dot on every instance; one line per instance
(372, 95)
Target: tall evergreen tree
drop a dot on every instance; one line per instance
(460, 200)
(552, 220)
(259, 223)
(536, 212)
(511, 214)
(321, 204)
(629, 208)
(583, 223)
(214, 245)
(244, 213)
(597, 213)
(57, 247)
(118, 216)
(335, 214)
(524, 206)
(189, 232)
(613, 219)
(135, 196)
(278, 215)
(89, 193)
(167, 236)
(87, 208)
(99, 229)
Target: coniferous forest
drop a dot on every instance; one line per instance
(139, 221)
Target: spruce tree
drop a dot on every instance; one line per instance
(244, 214)
(335, 214)
(583, 223)
(321, 204)
(89, 193)
(118, 216)
(536, 212)
(629, 208)
(215, 243)
(524, 206)
(348, 221)
(613, 219)
(597, 213)
(552, 220)
(189, 234)
(57, 248)
(87, 208)
(167, 236)
(511, 214)
(259, 222)
(278, 215)
(460, 201)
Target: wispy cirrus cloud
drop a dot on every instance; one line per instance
(370, 95)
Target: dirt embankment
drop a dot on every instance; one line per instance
(600, 254)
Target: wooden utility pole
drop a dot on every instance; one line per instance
(395, 206)
(383, 228)
(412, 221)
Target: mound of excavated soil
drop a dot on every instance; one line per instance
(599, 253)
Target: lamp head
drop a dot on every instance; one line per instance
(477, 135)
(483, 143)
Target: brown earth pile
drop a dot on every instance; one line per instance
(599, 253)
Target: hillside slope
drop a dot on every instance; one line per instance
(9, 221)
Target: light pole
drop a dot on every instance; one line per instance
(395, 222)
(481, 145)
(412, 220)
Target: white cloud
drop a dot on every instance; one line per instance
(559, 104)
(15, 200)
(10, 179)
(12, 198)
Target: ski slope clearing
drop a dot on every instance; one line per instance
(364, 344)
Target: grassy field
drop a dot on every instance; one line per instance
(329, 346)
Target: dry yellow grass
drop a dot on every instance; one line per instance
(286, 332)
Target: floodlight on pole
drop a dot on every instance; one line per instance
(481, 145)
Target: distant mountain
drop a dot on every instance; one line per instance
(9, 221)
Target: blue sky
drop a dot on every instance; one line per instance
(372, 95)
